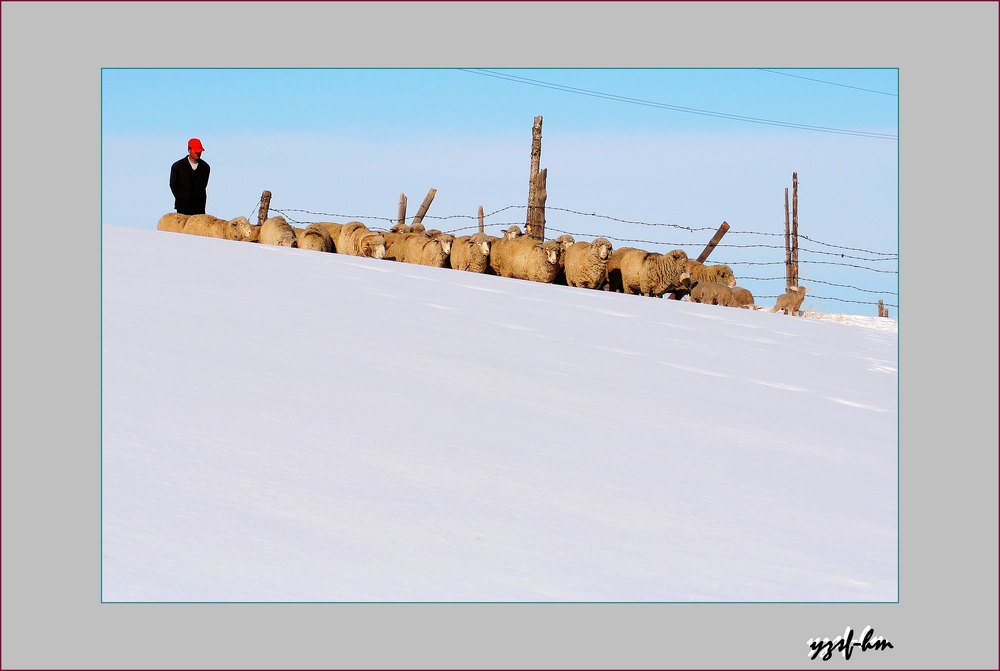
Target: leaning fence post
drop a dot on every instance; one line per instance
(424, 206)
(481, 227)
(676, 295)
(265, 203)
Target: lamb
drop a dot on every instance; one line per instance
(743, 297)
(586, 263)
(277, 231)
(790, 301)
(314, 237)
(701, 273)
(172, 222)
(636, 271)
(471, 253)
(527, 258)
(212, 227)
(713, 293)
(357, 240)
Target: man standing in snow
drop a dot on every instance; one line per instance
(188, 180)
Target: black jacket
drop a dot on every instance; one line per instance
(188, 186)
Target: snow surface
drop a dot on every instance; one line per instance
(288, 425)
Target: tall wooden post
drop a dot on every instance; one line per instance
(401, 210)
(788, 247)
(795, 229)
(265, 204)
(423, 207)
(535, 221)
(536, 207)
(482, 229)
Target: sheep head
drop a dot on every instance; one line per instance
(603, 248)
(512, 232)
(373, 245)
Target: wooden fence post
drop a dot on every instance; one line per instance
(788, 247)
(481, 228)
(536, 207)
(423, 207)
(265, 204)
(401, 210)
(795, 229)
(677, 295)
(535, 221)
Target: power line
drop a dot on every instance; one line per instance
(821, 81)
(675, 108)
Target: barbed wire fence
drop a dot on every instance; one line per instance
(832, 255)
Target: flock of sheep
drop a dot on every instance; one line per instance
(591, 265)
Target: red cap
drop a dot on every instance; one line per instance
(195, 143)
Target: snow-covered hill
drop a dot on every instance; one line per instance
(287, 425)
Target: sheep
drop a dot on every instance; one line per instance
(790, 301)
(212, 227)
(701, 273)
(636, 271)
(277, 231)
(357, 240)
(586, 263)
(333, 230)
(743, 297)
(423, 250)
(713, 293)
(527, 258)
(172, 222)
(471, 253)
(512, 232)
(566, 241)
(314, 237)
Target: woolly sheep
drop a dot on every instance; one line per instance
(314, 237)
(701, 273)
(566, 241)
(713, 293)
(743, 297)
(527, 258)
(277, 231)
(424, 250)
(790, 301)
(212, 227)
(636, 271)
(172, 221)
(512, 232)
(471, 253)
(357, 240)
(332, 229)
(586, 263)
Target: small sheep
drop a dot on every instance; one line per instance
(212, 227)
(713, 293)
(743, 297)
(471, 253)
(314, 237)
(172, 222)
(586, 263)
(701, 273)
(527, 258)
(566, 241)
(357, 240)
(277, 231)
(790, 301)
(512, 232)
(636, 271)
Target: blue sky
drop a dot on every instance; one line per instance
(653, 152)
